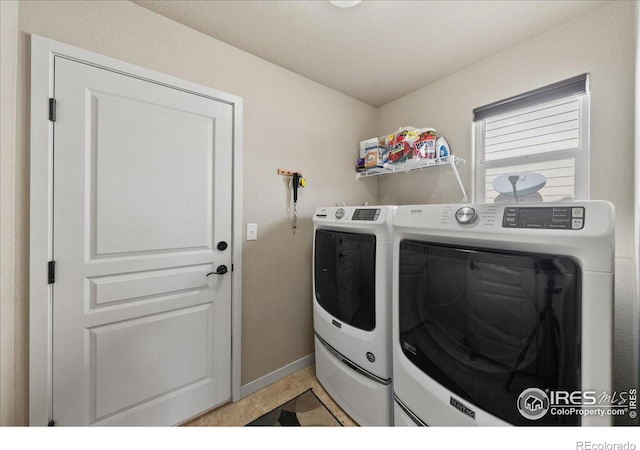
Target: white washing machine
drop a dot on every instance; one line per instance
(352, 309)
(502, 313)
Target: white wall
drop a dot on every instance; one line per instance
(8, 50)
(290, 122)
(601, 43)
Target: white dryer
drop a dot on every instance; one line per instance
(352, 309)
(502, 313)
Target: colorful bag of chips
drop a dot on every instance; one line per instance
(424, 144)
(400, 148)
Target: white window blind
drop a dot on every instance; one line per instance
(545, 132)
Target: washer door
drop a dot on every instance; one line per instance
(488, 325)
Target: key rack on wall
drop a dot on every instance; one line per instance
(297, 181)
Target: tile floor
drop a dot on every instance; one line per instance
(255, 405)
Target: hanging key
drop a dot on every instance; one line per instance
(297, 181)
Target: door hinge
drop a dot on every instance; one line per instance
(52, 272)
(232, 267)
(52, 109)
(52, 423)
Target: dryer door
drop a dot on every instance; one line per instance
(345, 276)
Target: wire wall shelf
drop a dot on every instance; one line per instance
(412, 166)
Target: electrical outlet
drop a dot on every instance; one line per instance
(252, 231)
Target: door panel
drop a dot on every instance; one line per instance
(142, 190)
(115, 289)
(127, 375)
(139, 153)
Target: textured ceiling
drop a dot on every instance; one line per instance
(376, 51)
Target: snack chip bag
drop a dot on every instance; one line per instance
(400, 144)
(424, 144)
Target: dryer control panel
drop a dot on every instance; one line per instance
(366, 214)
(348, 214)
(553, 218)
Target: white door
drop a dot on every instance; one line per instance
(142, 205)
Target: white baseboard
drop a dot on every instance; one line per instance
(276, 375)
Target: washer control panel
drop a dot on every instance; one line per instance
(555, 218)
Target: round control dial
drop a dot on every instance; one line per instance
(466, 215)
(339, 213)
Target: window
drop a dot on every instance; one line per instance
(535, 146)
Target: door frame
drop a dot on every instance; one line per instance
(43, 53)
